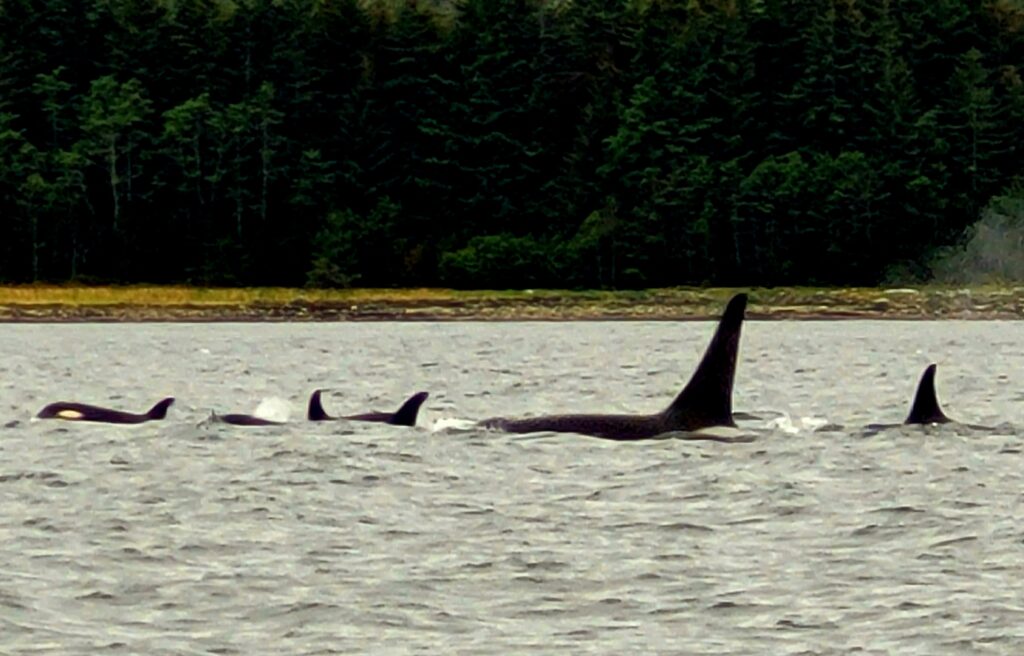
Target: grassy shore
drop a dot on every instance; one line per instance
(142, 303)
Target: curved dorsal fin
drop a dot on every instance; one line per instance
(406, 415)
(316, 410)
(925, 409)
(707, 398)
(159, 411)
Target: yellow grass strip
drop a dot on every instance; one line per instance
(151, 302)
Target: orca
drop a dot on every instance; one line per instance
(404, 416)
(925, 407)
(70, 411)
(244, 420)
(705, 401)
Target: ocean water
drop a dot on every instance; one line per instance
(820, 536)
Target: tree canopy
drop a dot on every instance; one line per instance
(502, 143)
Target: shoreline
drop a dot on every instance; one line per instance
(36, 304)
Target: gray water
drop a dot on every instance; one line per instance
(184, 537)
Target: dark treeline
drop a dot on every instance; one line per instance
(501, 143)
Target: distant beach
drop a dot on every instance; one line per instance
(183, 304)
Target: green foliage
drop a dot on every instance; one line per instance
(504, 143)
(497, 262)
(351, 249)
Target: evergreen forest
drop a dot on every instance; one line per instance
(502, 143)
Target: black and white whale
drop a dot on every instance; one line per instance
(705, 402)
(244, 420)
(271, 411)
(70, 411)
(404, 416)
(925, 407)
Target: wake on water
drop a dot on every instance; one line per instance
(452, 425)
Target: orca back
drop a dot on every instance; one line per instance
(925, 407)
(707, 398)
(73, 411)
(245, 420)
(315, 411)
(705, 401)
(159, 411)
(406, 415)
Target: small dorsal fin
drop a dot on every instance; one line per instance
(707, 398)
(316, 410)
(406, 415)
(159, 411)
(925, 409)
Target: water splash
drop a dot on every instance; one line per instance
(273, 408)
(452, 424)
(991, 251)
(785, 424)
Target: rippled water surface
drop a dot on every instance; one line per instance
(185, 537)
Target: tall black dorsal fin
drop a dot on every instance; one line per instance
(406, 415)
(159, 411)
(707, 398)
(925, 409)
(316, 410)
